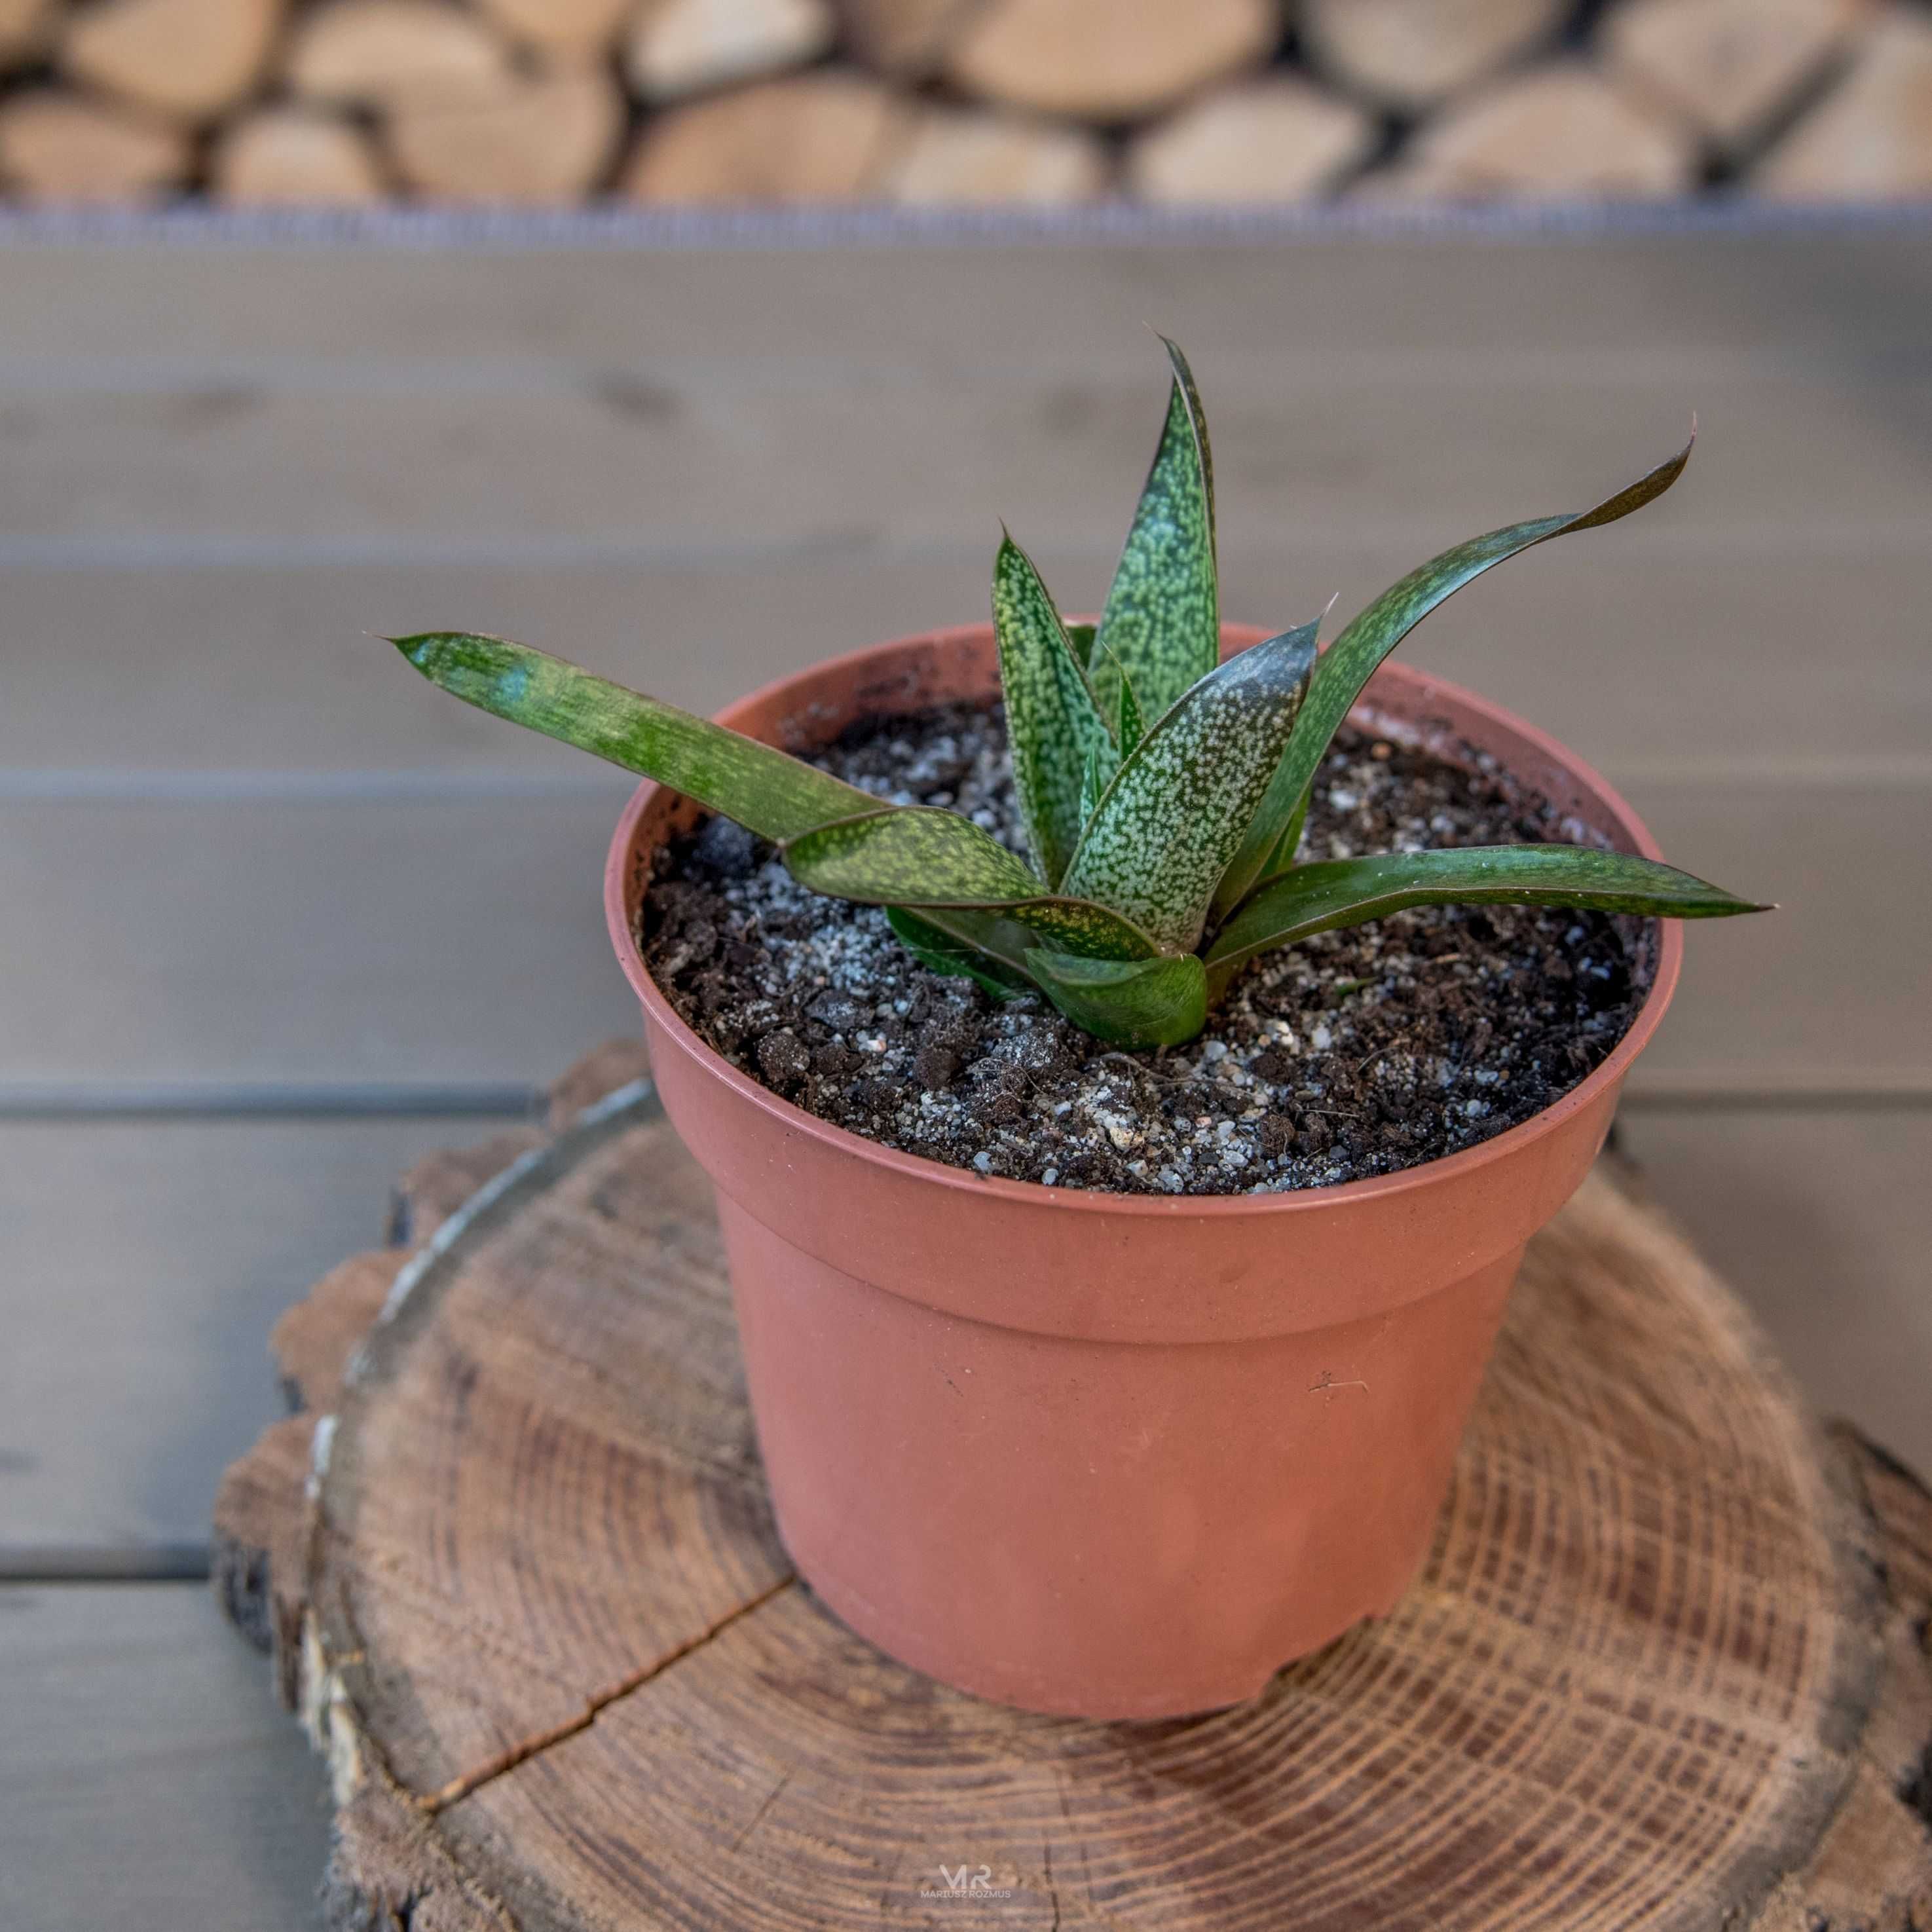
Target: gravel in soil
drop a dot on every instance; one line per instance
(1355, 1053)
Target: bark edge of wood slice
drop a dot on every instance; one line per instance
(1666, 1667)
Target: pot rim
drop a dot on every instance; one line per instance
(1445, 1169)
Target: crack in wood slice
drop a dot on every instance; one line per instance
(521, 1753)
(1667, 1666)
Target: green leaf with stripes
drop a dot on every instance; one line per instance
(766, 790)
(1146, 1002)
(1163, 621)
(1174, 812)
(924, 858)
(1347, 664)
(1053, 720)
(1311, 898)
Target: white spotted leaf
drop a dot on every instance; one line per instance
(1163, 620)
(1175, 811)
(765, 791)
(1053, 720)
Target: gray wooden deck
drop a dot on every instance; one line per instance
(278, 919)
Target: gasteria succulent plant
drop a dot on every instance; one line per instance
(1162, 791)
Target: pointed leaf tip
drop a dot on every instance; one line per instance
(1334, 893)
(1348, 663)
(765, 791)
(1163, 616)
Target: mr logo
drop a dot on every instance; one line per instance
(967, 1879)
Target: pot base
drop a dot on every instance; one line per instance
(1178, 1695)
(1097, 1529)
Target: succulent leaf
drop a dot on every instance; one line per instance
(1317, 898)
(1347, 665)
(927, 859)
(1001, 943)
(1163, 620)
(1093, 783)
(765, 791)
(1081, 637)
(1142, 1002)
(1053, 719)
(918, 856)
(1130, 721)
(1174, 814)
(941, 951)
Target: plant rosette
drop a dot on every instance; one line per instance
(1110, 1455)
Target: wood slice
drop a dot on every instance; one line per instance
(56, 146)
(1410, 53)
(1730, 67)
(1665, 1666)
(292, 157)
(549, 139)
(390, 54)
(1261, 141)
(963, 155)
(1870, 138)
(186, 59)
(825, 136)
(677, 47)
(1106, 60)
(1559, 133)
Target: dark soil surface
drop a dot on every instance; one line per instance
(1355, 1053)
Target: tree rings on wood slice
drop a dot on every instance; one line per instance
(1664, 1667)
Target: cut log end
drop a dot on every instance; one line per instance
(527, 1589)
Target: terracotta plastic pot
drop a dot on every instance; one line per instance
(1115, 1456)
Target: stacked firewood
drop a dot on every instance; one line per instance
(1227, 102)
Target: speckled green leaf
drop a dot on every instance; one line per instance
(1052, 719)
(924, 858)
(1144, 1002)
(942, 952)
(1175, 811)
(1334, 893)
(1081, 637)
(1094, 783)
(765, 790)
(1162, 620)
(1347, 665)
(1130, 720)
(919, 856)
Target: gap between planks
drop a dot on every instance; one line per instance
(90, 1102)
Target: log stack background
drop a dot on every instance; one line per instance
(1224, 102)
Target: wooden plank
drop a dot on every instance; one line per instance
(402, 940)
(1822, 1222)
(1827, 993)
(778, 453)
(460, 938)
(145, 1264)
(148, 1777)
(1650, 664)
(1833, 290)
(148, 1262)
